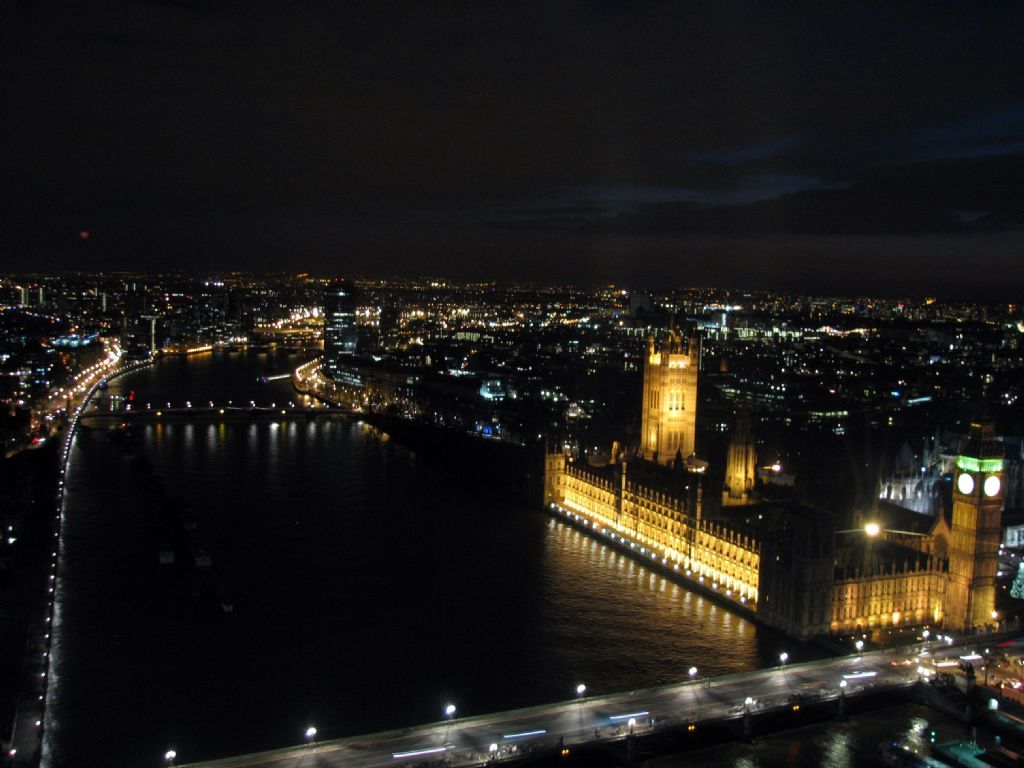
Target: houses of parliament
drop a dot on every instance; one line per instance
(777, 559)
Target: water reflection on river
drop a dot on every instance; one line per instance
(368, 586)
(849, 743)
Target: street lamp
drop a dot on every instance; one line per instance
(311, 734)
(449, 713)
(747, 703)
(169, 756)
(580, 690)
(783, 658)
(692, 672)
(859, 645)
(632, 724)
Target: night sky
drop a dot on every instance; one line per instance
(774, 145)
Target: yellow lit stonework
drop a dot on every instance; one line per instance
(790, 577)
(740, 465)
(669, 412)
(974, 544)
(911, 594)
(713, 555)
(707, 552)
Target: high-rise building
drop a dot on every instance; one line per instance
(153, 320)
(974, 545)
(669, 415)
(340, 337)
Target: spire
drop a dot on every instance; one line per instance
(981, 441)
(678, 463)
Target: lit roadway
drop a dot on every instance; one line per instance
(594, 719)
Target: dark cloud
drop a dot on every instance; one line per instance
(219, 133)
(950, 197)
(731, 157)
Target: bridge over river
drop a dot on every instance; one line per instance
(201, 412)
(617, 721)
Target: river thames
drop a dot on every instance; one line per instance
(367, 586)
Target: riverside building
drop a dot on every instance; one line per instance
(782, 561)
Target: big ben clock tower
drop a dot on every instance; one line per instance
(974, 545)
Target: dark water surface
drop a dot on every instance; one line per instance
(370, 586)
(850, 743)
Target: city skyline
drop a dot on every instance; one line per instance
(391, 382)
(829, 150)
(215, 478)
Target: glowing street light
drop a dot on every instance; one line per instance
(783, 658)
(311, 734)
(859, 645)
(692, 671)
(580, 690)
(449, 713)
(169, 756)
(872, 529)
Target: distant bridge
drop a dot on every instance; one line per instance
(199, 413)
(665, 717)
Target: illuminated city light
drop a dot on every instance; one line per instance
(418, 753)
(615, 718)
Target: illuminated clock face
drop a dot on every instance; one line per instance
(991, 485)
(965, 484)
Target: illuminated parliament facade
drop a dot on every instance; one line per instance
(781, 561)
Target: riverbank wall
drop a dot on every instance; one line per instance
(34, 587)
